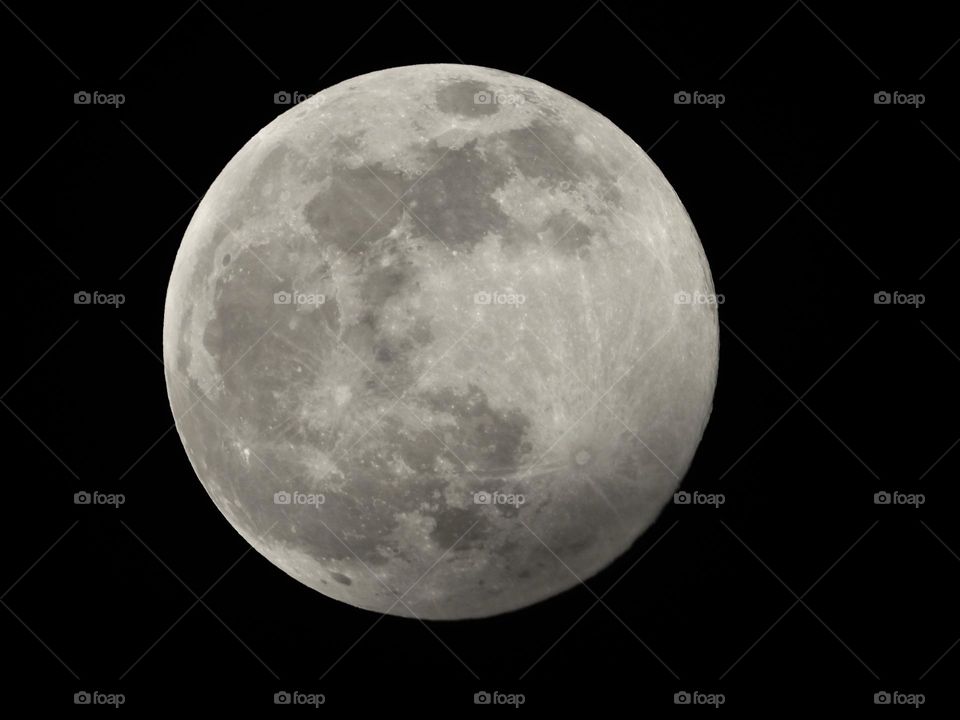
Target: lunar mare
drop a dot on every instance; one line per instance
(424, 346)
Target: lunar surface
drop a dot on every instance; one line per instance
(436, 342)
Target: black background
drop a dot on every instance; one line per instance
(824, 397)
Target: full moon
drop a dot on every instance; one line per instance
(440, 341)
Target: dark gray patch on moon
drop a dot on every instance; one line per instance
(485, 439)
(465, 97)
(455, 200)
(567, 234)
(359, 204)
(549, 150)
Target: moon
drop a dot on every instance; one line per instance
(439, 342)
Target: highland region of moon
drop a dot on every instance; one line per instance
(435, 344)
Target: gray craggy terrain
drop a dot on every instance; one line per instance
(418, 296)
